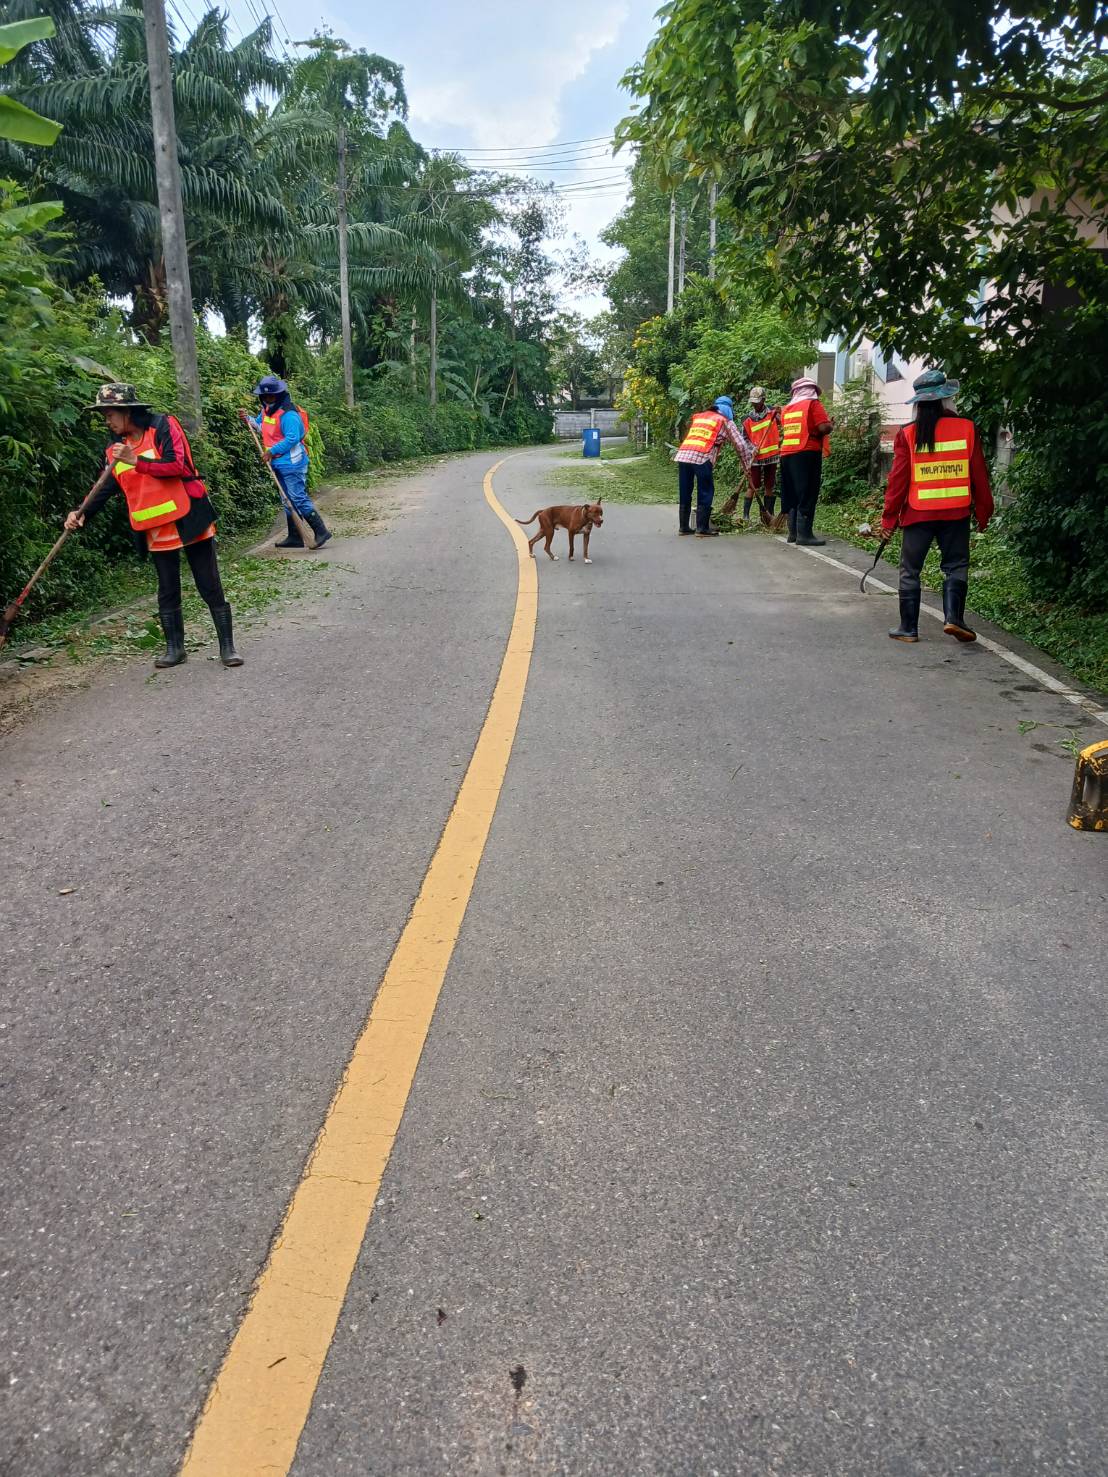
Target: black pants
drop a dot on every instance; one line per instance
(687, 474)
(801, 474)
(205, 571)
(915, 540)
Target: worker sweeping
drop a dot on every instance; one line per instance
(805, 441)
(696, 460)
(169, 509)
(938, 481)
(284, 429)
(762, 428)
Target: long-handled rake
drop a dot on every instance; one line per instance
(302, 528)
(12, 610)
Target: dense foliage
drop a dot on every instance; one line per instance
(931, 177)
(718, 340)
(453, 309)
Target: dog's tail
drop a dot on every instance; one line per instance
(523, 522)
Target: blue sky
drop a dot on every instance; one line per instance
(501, 76)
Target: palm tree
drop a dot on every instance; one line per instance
(357, 91)
(103, 165)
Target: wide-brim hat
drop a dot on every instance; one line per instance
(934, 385)
(118, 396)
(804, 383)
(269, 384)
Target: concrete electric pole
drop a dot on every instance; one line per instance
(182, 325)
(672, 233)
(712, 232)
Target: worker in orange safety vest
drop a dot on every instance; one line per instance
(938, 482)
(805, 441)
(696, 460)
(762, 428)
(169, 510)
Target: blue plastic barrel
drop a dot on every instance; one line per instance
(591, 438)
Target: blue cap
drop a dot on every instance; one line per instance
(725, 407)
(270, 385)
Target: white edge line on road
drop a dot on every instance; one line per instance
(1021, 664)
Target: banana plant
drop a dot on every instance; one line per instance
(19, 123)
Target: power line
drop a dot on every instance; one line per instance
(522, 149)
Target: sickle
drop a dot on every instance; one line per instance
(882, 546)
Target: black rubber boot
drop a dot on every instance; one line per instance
(221, 618)
(908, 630)
(954, 608)
(319, 528)
(173, 624)
(747, 503)
(770, 504)
(805, 534)
(792, 527)
(293, 539)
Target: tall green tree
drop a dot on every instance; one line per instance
(102, 168)
(358, 91)
(935, 177)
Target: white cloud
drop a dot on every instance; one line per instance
(499, 84)
(505, 76)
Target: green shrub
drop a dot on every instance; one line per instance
(848, 470)
(57, 349)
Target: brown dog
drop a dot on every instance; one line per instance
(574, 519)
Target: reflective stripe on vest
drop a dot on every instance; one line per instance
(940, 477)
(704, 431)
(794, 427)
(151, 501)
(763, 434)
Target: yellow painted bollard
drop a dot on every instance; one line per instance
(1089, 802)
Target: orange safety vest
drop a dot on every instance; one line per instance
(704, 431)
(941, 478)
(271, 427)
(151, 501)
(763, 435)
(796, 430)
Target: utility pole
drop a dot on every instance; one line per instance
(712, 231)
(182, 325)
(672, 228)
(681, 255)
(344, 275)
(433, 383)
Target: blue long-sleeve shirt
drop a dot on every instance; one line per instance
(290, 453)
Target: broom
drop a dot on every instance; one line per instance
(777, 521)
(305, 532)
(12, 610)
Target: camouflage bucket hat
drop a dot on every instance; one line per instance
(118, 397)
(933, 385)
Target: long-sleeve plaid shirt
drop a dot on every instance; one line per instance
(738, 441)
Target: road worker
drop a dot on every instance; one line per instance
(169, 509)
(805, 441)
(762, 428)
(937, 483)
(284, 429)
(696, 460)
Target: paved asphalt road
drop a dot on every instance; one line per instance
(760, 1128)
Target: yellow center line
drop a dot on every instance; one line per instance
(257, 1406)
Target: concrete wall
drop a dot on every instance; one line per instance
(568, 424)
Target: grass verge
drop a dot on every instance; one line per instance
(649, 480)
